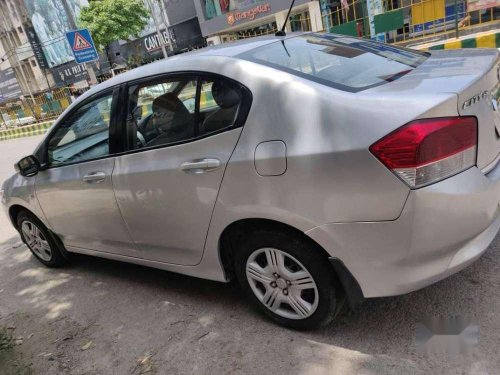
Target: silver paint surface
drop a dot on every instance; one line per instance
(393, 240)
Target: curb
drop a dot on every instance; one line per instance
(25, 131)
(482, 40)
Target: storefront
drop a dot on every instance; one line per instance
(9, 88)
(182, 34)
(226, 20)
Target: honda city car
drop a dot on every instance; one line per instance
(312, 168)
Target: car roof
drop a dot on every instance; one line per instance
(230, 50)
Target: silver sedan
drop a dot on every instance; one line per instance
(312, 168)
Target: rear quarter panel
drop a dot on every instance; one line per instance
(331, 176)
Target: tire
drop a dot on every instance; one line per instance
(290, 305)
(39, 240)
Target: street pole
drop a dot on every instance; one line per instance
(50, 90)
(167, 23)
(1, 113)
(456, 18)
(19, 65)
(72, 24)
(158, 32)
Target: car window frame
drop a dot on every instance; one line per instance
(199, 77)
(115, 146)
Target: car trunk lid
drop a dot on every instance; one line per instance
(472, 74)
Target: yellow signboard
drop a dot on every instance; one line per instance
(427, 11)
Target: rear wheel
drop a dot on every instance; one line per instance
(39, 240)
(288, 279)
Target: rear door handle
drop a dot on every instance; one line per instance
(200, 166)
(94, 177)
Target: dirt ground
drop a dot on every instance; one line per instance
(103, 317)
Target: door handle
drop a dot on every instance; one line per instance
(200, 166)
(94, 177)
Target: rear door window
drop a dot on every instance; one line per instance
(174, 110)
(346, 63)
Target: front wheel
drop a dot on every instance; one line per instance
(39, 240)
(288, 279)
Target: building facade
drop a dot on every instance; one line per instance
(179, 29)
(225, 20)
(17, 57)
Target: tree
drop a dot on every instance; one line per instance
(112, 20)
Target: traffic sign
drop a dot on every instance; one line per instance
(82, 46)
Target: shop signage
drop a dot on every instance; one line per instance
(36, 46)
(250, 14)
(153, 42)
(72, 72)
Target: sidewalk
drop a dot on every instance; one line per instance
(485, 39)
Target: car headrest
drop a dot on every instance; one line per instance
(170, 114)
(224, 95)
(169, 102)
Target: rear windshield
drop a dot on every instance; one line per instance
(342, 62)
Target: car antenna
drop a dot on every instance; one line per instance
(282, 31)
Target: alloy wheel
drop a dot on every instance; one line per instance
(36, 241)
(282, 283)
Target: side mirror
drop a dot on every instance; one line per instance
(28, 166)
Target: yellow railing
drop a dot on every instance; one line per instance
(421, 19)
(45, 106)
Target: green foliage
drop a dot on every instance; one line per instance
(110, 20)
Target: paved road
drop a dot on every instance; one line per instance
(104, 317)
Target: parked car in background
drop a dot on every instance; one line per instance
(312, 168)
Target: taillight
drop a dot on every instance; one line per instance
(425, 151)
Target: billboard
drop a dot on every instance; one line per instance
(50, 21)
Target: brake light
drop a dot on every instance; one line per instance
(425, 151)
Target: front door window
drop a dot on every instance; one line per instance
(83, 135)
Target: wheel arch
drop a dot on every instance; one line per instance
(14, 211)
(235, 231)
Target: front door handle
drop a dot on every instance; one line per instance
(200, 166)
(94, 177)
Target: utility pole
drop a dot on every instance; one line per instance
(157, 26)
(72, 25)
(166, 21)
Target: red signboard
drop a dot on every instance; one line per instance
(249, 14)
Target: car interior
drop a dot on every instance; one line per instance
(173, 120)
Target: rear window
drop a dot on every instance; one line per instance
(343, 62)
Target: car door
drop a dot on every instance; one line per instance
(182, 131)
(75, 189)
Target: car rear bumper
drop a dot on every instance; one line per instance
(442, 229)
